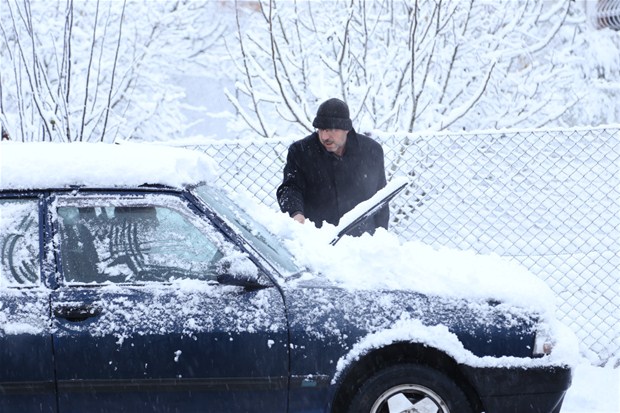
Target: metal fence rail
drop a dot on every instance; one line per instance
(547, 199)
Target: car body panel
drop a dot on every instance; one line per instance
(509, 390)
(207, 349)
(26, 357)
(328, 324)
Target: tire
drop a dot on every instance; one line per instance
(427, 389)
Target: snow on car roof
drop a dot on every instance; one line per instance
(34, 165)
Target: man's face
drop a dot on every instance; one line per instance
(333, 140)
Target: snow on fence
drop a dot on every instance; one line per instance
(549, 199)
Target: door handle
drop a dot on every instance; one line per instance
(76, 313)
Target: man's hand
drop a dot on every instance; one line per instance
(299, 217)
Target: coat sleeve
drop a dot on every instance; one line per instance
(290, 192)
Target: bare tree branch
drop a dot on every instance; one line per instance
(88, 70)
(116, 54)
(459, 112)
(30, 75)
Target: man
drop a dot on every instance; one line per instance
(332, 170)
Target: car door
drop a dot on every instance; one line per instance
(141, 321)
(26, 364)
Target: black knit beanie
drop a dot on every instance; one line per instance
(333, 114)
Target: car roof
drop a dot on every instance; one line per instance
(42, 165)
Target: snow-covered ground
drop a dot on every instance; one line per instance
(594, 390)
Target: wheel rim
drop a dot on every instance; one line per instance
(409, 398)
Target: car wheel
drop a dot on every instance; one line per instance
(409, 388)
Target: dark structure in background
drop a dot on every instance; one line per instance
(608, 14)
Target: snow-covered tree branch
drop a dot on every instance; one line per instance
(102, 70)
(418, 65)
(98, 71)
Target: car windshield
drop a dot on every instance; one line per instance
(264, 242)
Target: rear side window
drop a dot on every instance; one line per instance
(125, 243)
(19, 242)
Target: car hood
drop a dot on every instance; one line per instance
(384, 262)
(331, 320)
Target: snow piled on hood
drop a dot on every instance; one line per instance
(100, 165)
(384, 261)
(392, 264)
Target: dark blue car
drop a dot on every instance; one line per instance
(164, 296)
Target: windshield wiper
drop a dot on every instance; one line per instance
(363, 210)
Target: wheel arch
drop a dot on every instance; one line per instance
(398, 353)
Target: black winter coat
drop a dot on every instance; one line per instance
(324, 186)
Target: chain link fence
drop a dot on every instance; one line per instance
(549, 199)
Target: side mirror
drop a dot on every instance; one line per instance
(229, 274)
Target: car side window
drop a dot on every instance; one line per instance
(19, 242)
(127, 243)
